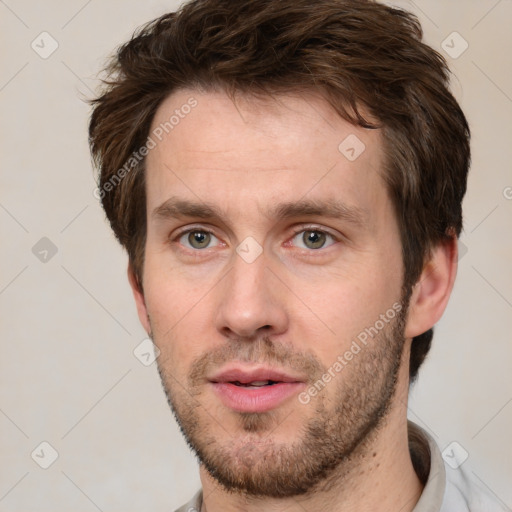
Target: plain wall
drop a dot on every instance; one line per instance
(69, 326)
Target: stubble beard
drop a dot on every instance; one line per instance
(330, 441)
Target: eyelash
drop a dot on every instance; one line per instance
(296, 232)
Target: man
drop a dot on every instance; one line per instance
(287, 179)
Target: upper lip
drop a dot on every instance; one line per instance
(248, 375)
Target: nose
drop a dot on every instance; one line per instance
(250, 301)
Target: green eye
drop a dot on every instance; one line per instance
(312, 239)
(197, 239)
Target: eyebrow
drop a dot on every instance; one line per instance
(174, 208)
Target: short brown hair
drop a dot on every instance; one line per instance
(362, 56)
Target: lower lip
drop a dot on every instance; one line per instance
(257, 399)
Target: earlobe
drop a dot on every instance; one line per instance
(140, 301)
(431, 292)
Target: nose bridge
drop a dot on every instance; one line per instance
(247, 282)
(248, 301)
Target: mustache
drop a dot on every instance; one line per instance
(261, 351)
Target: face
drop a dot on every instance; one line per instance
(272, 286)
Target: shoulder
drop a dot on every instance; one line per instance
(464, 494)
(447, 489)
(194, 505)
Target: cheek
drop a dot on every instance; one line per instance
(340, 308)
(180, 316)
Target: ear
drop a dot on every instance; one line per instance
(431, 292)
(140, 302)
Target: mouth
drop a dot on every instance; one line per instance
(255, 389)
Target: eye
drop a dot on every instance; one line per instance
(198, 239)
(313, 239)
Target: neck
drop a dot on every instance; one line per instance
(380, 476)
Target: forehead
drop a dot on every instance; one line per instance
(282, 148)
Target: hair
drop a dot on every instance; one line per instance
(365, 58)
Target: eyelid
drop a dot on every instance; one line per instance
(187, 229)
(312, 227)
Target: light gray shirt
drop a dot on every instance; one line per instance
(446, 489)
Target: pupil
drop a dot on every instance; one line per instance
(314, 239)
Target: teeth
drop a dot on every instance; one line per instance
(260, 383)
(254, 384)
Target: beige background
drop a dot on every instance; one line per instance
(69, 327)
